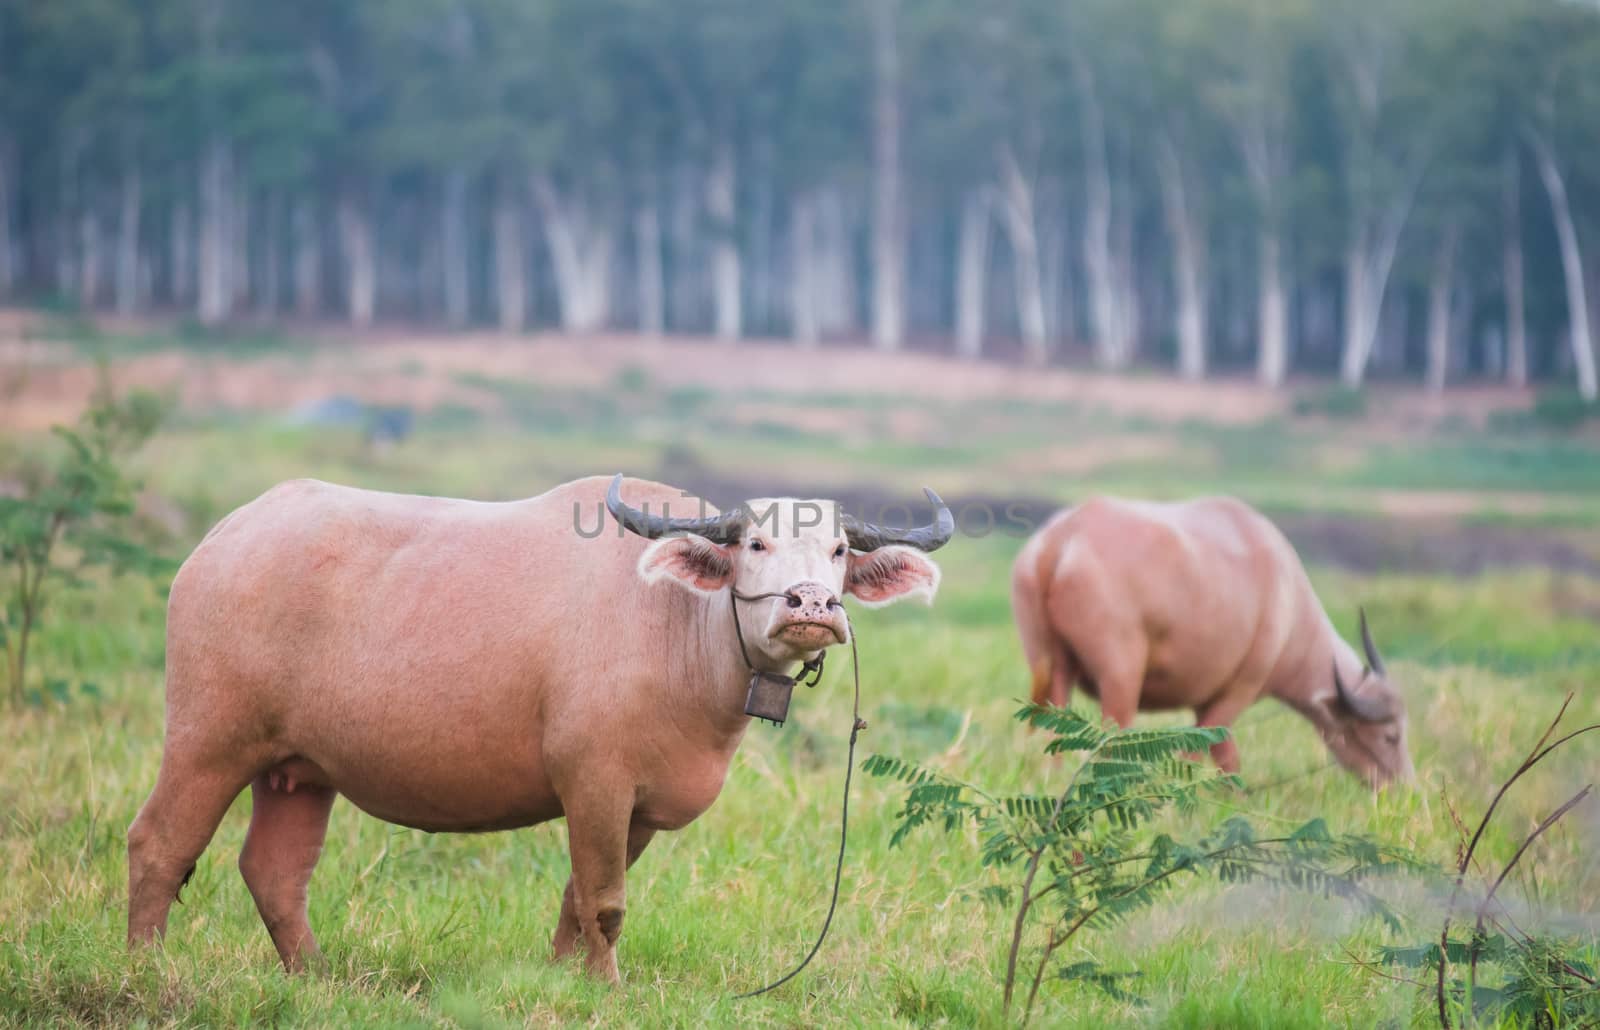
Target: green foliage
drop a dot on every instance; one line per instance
(67, 515)
(1545, 980)
(1099, 851)
(1332, 402)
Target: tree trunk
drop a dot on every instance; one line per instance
(269, 298)
(888, 206)
(216, 177)
(127, 277)
(360, 257)
(1555, 187)
(453, 244)
(1187, 250)
(307, 258)
(1439, 290)
(652, 288)
(180, 278)
(1272, 328)
(1511, 265)
(1024, 237)
(803, 275)
(89, 257)
(580, 252)
(721, 194)
(511, 277)
(684, 306)
(238, 222)
(972, 268)
(1369, 257)
(836, 266)
(1106, 332)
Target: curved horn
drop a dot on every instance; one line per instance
(864, 536)
(1366, 708)
(1374, 660)
(719, 529)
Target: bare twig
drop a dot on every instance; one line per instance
(1540, 749)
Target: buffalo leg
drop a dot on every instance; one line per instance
(567, 928)
(281, 849)
(598, 820)
(166, 839)
(1222, 712)
(1116, 668)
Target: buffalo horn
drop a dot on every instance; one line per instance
(1374, 660)
(864, 536)
(1367, 709)
(720, 529)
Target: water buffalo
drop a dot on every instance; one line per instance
(461, 666)
(1200, 605)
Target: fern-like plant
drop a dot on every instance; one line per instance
(1099, 850)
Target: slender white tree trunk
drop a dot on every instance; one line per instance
(453, 244)
(90, 260)
(1555, 187)
(307, 258)
(972, 273)
(215, 301)
(888, 205)
(1105, 329)
(721, 194)
(836, 287)
(1124, 278)
(1512, 268)
(1024, 238)
(1440, 285)
(580, 252)
(652, 282)
(239, 227)
(1272, 358)
(181, 240)
(360, 257)
(1353, 357)
(127, 278)
(803, 273)
(1183, 223)
(511, 277)
(1369, 258)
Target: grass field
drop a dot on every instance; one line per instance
(454, 930)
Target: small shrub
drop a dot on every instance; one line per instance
(1563, 408)
(632, 379)
(1544, 980)
(1332, 402)
(65, 516)
(1093, 855)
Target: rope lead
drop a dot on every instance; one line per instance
(856, 726)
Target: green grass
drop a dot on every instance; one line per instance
(454, 930)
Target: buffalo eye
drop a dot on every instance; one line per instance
(756, 545)
(838, 552)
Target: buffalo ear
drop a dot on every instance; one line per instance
(888, 574)
(690, 561)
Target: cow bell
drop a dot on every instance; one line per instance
(769, 697)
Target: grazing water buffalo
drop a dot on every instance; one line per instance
(460, 666)
(1200, 605)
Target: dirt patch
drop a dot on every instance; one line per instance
(1357, 543)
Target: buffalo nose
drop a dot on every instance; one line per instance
(812, 595)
